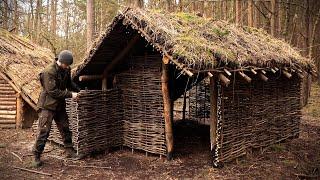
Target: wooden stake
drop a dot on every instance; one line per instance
(167, 105)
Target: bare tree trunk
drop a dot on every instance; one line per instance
(280, 14)
(194, 7)
(66, 30)
(313, 36)
(201, 8)
(214, 9)
(47, 15)
(90, 22)
(273, 18)
(257, 15)
(38, 20)
(308, 27)
(250, 13)
(16, 17)
(139, 3)
(53, 10)
(180, 5)
(224, 10)
(5, 15)
(238, 12)
(287, 19)
(169, 5)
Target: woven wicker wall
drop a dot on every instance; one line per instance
(143, 107)
(131, 116)
(95, 121)
(256, 115)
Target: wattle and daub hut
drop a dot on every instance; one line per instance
(20, 63)
(146, 60)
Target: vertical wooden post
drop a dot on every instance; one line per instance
(184, 106)
(168, 106)
(19, 112)
(213, 113)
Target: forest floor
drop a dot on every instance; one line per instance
(293, 159)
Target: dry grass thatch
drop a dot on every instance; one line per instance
(21, 61)
(201, 43)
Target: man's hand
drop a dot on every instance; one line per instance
(74, 95)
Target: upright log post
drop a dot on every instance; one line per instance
(19, 112)
(184, 106)
(213, 113)
(168, 106)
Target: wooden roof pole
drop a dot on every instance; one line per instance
(117, 59)
(167, 106)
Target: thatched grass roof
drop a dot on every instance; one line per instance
(21, 61)
(201, 43)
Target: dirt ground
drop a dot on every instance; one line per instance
(293, 159)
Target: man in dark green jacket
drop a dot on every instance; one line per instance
(57, 85)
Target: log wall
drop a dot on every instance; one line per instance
(7, 105)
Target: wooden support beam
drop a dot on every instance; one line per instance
(168, 108)
(245, 77)
(118, 58)
(263, 77)
(19, 111)
(286, 74)
(90, 77)
(224, 79)
(213, 114)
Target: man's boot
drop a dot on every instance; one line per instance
(36, 161)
